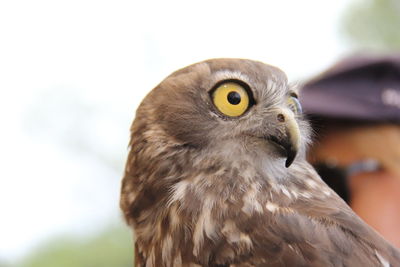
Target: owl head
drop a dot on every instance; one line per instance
(227, 105)
(216, 176)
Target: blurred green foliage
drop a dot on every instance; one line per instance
(373, 24)
(112, 247)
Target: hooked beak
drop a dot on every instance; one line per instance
(288, 136)
(288, 149)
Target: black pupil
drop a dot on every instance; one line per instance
(234, 98)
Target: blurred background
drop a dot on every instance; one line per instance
(73, 72)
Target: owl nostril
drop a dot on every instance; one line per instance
(281, 117)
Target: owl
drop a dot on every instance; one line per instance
(217, 176)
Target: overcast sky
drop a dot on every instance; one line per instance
(72, 73)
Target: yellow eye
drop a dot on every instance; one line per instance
(231, 99)
(294, 104)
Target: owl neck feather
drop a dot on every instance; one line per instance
(189, 200)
